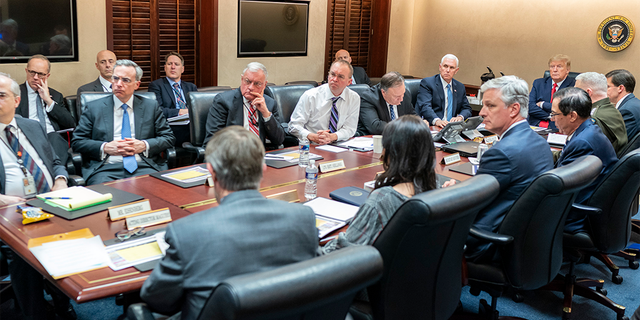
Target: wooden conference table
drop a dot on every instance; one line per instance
(360, 168)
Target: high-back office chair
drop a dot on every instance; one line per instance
(633, 144)
(70, 103)
(311, 82)
(571, 74)
(286, 98)
(214, 88)
(422, 248)
(529, 240)
(198, 104)
(413, 85)
(375, 80)
(359, 88)
(321, 288)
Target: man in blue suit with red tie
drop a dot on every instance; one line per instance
(442, 99)
(544, 88)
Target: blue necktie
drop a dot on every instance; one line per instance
(393, 113)
(129, 162)
(449, 103)
(38, 176)
(333, 119)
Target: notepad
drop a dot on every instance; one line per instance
(136, 251)
(188, 175)
(79, 197)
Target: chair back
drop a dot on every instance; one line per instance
(413, 85)
(572, 74)
(536, 221)
(319, 288)
(633, 144)
(70, 103)
(199, 104)
(311, 82)
(87, 97)
(610, 231)
(287, 97)
(422, 248)
(359, 88)
(214, 88)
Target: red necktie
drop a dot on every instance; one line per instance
(252, 116)
(545, 124)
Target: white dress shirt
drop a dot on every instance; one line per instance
(118, 114)
(33, 111)
(620, 101)
(313, 111)
(106, 85)
(395, 110)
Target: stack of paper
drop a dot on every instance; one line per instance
(179, 120)
(330, 214)
(557, 139)
(133, 252)
(188, 175)
(359, 143)
(292, 157)
(74, 198)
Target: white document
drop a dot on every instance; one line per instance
(359, 143)
(332, 149)
(332, 209)
(67, 257)
(133, 252)
(556, 138)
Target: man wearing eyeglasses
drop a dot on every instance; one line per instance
(248, 107)
(329, 112)
(121, 136)
(41, 103)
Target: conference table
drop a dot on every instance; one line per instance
(104, 282)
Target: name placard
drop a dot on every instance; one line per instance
(491, 139)
(447, 160)
(124, 210)
(209, 181)
(148, 218)
(333, 165)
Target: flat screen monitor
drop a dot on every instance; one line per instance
(47, 27)
(269, 28)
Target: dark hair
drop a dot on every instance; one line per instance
(409, 154)
(390, 80)
(622, 77)
(173, 53)
(573, 99)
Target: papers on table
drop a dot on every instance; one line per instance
(332, 149)
(179, 120)
(66, 257)
(331, 215)
(191, 174)
(133, 252)
(74, 198)
(556, 138)
(359, 143)
(292, 156)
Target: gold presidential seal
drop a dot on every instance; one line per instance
(615, 33)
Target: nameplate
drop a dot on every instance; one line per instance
(491, 139)
(369, 185)
(149, 218)
(333, 165)
(209, 181)
(127, 209)
(447, 160)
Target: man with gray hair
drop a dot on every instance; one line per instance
(122, 135)
(245, 233)
(383, 103)
(504, 109)
(248, 107)
(603, 112)
(442, 99)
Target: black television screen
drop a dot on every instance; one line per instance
(47, 27)
(272, 28)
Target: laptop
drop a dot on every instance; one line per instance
(451, 132)
(466, 148)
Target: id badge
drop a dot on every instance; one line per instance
(29, 186)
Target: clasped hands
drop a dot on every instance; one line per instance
(322, 137)
(126, 147)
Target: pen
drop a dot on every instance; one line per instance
(56, 198)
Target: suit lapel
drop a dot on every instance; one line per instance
(238, 113)
(24, 101)
(168, 90)
(382, 107)
(440, 93)
(107, 116)
(97, 85)
(138, 115)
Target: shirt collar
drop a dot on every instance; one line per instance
(117, 103)
(444, 83)
(328, 94)
(559, 83)
(511, 126)
(105, 83)
(620, 101)
(171, 82)
(29, 89)
(12, 123)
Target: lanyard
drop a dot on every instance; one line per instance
(18, 153)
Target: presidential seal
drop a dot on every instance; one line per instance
(615, 33)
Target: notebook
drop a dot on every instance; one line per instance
(466, 149)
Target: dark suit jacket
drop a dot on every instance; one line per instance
(361, 76)
(430, 103)
(609, 119)
(93, 86)
(245, 233)
(374, 114)
(227, 110)
(166, 97)
(515, 167)
(630, 110)
(586, 140)
(36, 136)
(59, 116)
(96, 127)
(541, 91)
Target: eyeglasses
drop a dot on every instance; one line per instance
(116, 79)
(339, 76)
(248, 82)
(553, 114)
(40, 74)
(123, 235)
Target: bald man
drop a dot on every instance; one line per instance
(105, 60)
(359, 75)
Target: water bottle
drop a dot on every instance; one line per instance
(311, 186)
(303, 149)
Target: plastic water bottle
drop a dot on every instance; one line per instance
(311, 186)
(303, 149)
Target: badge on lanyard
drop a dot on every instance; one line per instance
(28, 184)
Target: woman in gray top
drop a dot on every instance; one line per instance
(408, 158)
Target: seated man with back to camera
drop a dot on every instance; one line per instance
(543, 89)
(442, 99)
(122, 135)
(570, 110)
(244, 233)
(247, 106)
(329, 112)
(515, 161)
(382, 103)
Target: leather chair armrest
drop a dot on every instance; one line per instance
(139, 311)
(498, 239)
(75, 180)
(199, 151)
(584, 209)
(172, 157)
(76, 160)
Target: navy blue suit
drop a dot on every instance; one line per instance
(167, 101)
(588, 139)
(541, 91)
(515, 161)
(431, 99)
(630, 110)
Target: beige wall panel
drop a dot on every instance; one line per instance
(400, 32)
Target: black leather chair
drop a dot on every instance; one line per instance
(286, 98)
(70, 103)
(529, 240)
(214, 88)
(359, 88)
(198, 104)
(571, 74)
(311, 82)
(633, 144)
(422, 248)
(413, 85)
(320, 288)
(375, 80)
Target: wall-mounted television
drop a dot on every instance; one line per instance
(268, 28)
(47, 27)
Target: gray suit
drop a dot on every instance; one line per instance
(96, 127)
(245, 233)
(93, 86)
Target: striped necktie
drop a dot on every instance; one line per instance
(176, 92)
(333, 119)
(28, 162)
(252, 118)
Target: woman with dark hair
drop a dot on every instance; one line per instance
(408, 158)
